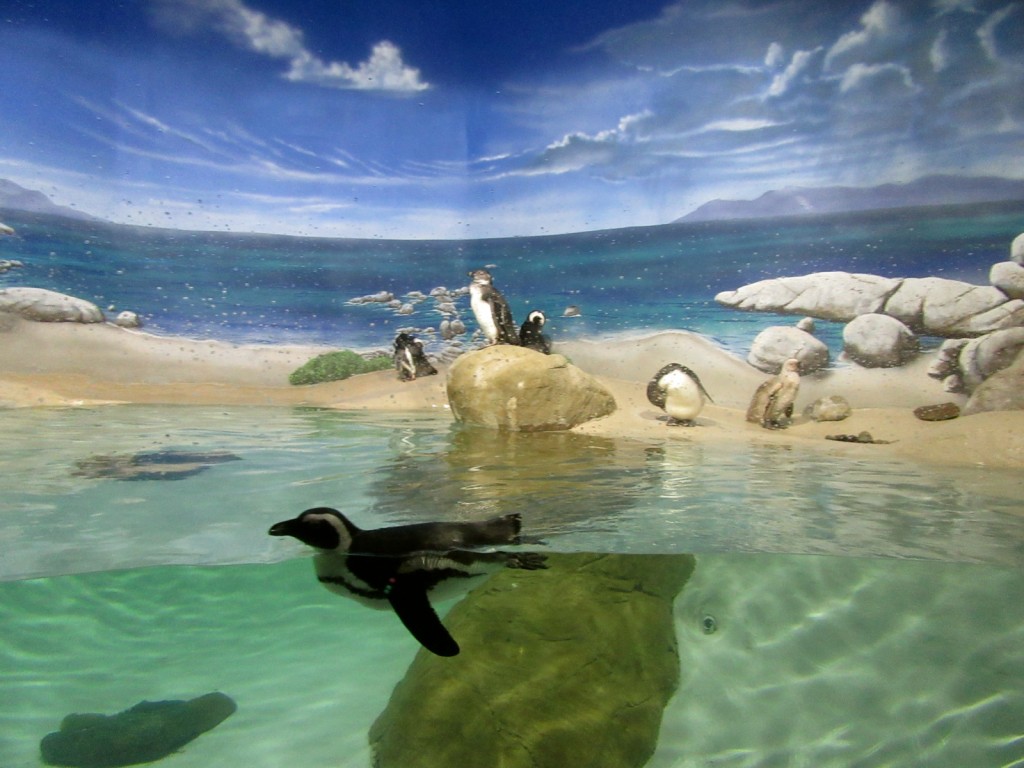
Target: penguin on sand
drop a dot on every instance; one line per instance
(410, 360)
(773, 401)
(531, 333)
(677, 391)
(398, 566)
(490, 309)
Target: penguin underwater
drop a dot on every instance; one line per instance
(410, 361)
(677, 391)
(490, 309)
(531, 333)
(399, 565)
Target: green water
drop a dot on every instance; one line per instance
(864, 614)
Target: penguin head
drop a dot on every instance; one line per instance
(320, 527)
(536, 318)
(481, 276)
(404, 341)
(792, 365)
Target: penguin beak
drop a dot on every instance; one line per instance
(284, 528)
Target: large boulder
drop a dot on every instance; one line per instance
(48, 306)
(982, 357)
(1002, 391)
(513, 388)
(1017, 249)
(568, 666)
(929, 305)
(1008, 277)
(837, 296)
(878, 341)
(775, 345)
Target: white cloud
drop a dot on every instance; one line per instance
(782, 81)
(939, 54)
(775, 55)
(880, 23)
(383, 71)
(739, 125)
(861, 75)
(987, 31)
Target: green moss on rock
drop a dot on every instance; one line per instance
(568, 666)
(335, 366)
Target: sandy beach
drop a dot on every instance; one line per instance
(70, 364)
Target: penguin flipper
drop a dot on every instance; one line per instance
(410, 602)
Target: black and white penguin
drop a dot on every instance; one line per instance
(491, 310)
(531, 333)
(398, 566)
(772, 403)
(677, 391)
(410, 360)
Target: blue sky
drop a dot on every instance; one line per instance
(471, 119)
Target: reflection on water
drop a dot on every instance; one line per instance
(906, 650)
(577, 492)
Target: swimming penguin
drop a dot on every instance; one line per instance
(410, 361)
(531, 333)
(398, 566)
(491, 310)
(773, 400)
(677, 391)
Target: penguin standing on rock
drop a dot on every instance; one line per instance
(410, 360)
(772, 404)
(677, 391)
(490, 309)
(531, 333)
(398, 566)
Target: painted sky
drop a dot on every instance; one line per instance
(462, 118)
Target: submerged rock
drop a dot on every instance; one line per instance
(518, 389)
(48, 306)
(158, 465)
(148, 731)
(564, 667)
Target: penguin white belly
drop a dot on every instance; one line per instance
(484, 315)
(683, 398)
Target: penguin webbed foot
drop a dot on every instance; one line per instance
(681, 422)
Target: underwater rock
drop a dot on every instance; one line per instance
(159, 465)
(932, 306)
(775, 345)
(939, 412)
(48, 306)
(518, 389)
(564, 667)
(831, 408)
(148, 731)
(879, 341)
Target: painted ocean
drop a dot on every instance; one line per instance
(276, 289)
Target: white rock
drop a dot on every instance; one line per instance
(878, 341)
(48, 306)
(1017, 249)
(128, 319)
(806, 324)
(828, 295)
(984, 356)
(1008, 277)
(776, 344)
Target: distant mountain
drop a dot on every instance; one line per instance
(17, 198)
(797, 201)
